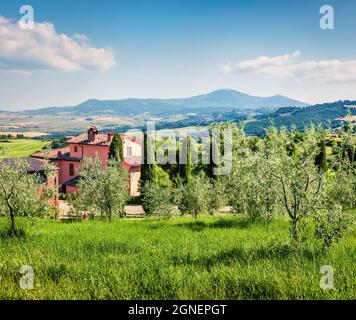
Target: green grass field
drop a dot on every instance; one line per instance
(12, 148)
(181, 258)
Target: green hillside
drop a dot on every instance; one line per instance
(320, 114)
(11, 148)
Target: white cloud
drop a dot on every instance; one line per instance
(287, 66)
(42, 48)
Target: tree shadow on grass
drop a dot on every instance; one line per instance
(238, 223)
(246, 256)
(155, 226)
(8, 234)
(285, 251)
(111, 247)
(255, 289)
(56, 272)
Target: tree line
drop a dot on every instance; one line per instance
(286, 174)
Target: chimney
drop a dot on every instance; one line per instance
(110, 136)
(92, 131)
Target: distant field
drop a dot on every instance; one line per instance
(29, 134)
(180, 258)
(19, 147)
(60, 123)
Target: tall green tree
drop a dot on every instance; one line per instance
(321, 158)
(148, 160)
(185, 171)
(160, 176)
(213, 158)
(116, 150)
(103, 192)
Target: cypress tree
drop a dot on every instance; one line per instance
(116, 150)
(146, 167)
(349, 152)
(213, 157)
(185, 171)
(188, 166)
(321, 158)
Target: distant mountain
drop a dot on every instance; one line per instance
(216, 101)
(258, 113)
(232, 98)
(325, 115)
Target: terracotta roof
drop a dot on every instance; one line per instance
(101, 139)
(34, 165)
(53, 154)
(97, 139)
(132, 139)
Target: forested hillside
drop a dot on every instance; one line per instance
(325, 115)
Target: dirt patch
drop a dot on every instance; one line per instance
(350, 119)
(31, 134)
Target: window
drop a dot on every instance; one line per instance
(71, 169)
(129, 151)
(75, 148)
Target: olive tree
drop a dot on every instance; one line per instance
(251, 187)
(339, 196)
(158, 199)
(342, 180)
(279, 173)
(217, 194)
(194, 196)
(20, 194)
(331, 224)
(300, 181)
(341, 185)
(102, 191)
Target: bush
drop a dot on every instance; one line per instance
(253, 190)
(195, 196)
(157, 200)
(19, 193)
(217, 195)
(331, 225)
(161, 177)
(102, 191)
(341, 186)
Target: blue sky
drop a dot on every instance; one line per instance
(173, 48)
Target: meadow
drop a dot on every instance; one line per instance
(13, 148)
(210, 257)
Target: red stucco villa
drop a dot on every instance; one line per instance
(92, 144)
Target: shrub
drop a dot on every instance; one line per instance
(19, 193)
(195, 196)
(331, 225)
(102, 191)
(160, 176)
(158, 200)
(217, 195)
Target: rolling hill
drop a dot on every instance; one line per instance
(325, 114)
(258, 113)
(216, 101)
